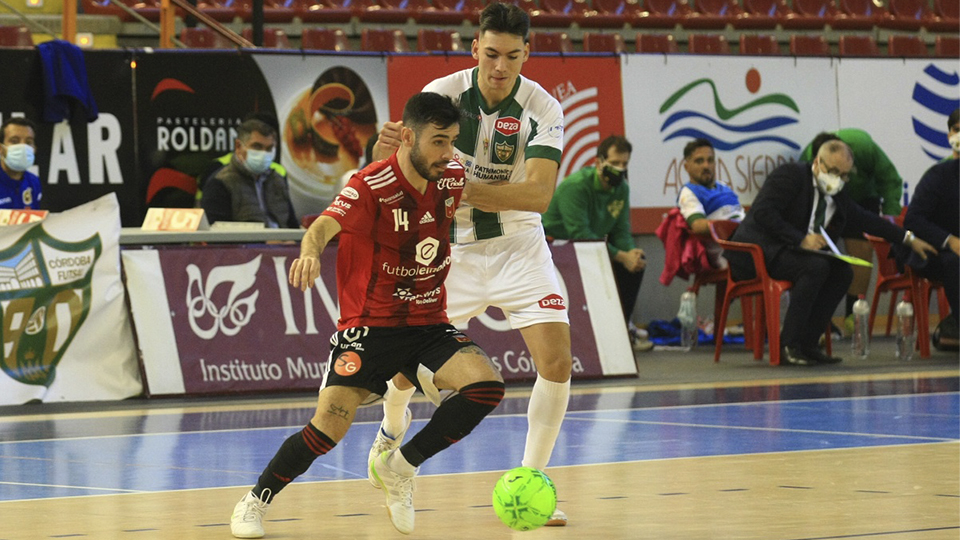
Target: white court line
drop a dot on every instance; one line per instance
(755, 428)
(28, 484)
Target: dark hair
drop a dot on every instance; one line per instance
(18, 121)
(429, 108)
(693, 145)
(266, 118)
(253, 124)
(505, 18)
(819, 140)
(621, 144)
(953, 119)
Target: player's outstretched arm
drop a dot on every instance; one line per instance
(388, 140)
(306, 269)
(531, 195)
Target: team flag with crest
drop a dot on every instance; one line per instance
(65, 328)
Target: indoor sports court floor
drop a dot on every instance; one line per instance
(689, 450)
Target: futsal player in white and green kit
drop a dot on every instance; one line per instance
(510, 143)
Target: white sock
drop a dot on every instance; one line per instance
(395, 403)
(398, 463)
(548, 404)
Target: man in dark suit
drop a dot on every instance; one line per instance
(934, 215)
(785, 220)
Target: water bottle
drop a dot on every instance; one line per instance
(861, 328)
(905, 330)
(688, 320)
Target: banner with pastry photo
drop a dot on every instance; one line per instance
(327, 113)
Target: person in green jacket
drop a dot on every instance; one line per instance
(594, 204)
(875, 185)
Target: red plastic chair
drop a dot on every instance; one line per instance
(913, 15)
(202, 37)
(560, 13)
(803, 45)
(860, 15)
(613, 13)
(767, 289)
(947, 47)
(611, 43)
(15, 36)
(452, 12)
(858, 46)
(550, 42)
(889, 279)
(319, 11)
(707, 44)
(149, 9)
(810, 14)
(906, 46)
(719, 278)
(273, 38)
(324, 39)
(380, 40)
(948, 14)
(757, 44)
(656, 43)
(768, 14)
(439, 41)
(393, 11)
(216, 10)
(662, 14)
(920, 289)
(274, 11)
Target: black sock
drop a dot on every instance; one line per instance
(455, 419)
(294, 457)
(851, 298)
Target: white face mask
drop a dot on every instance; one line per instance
(19, 157)
(955, 141)
(830, 184)
(258, 161)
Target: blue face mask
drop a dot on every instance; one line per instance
(258, 161)
(19, 157)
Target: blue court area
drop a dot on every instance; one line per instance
(124, 451)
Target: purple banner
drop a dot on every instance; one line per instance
(240, 327)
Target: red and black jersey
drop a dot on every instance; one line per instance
(394, 246)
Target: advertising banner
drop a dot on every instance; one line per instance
(66, 331)
(758, 112)
(908, 118)
(225, 320)
(577, 83)
(77, 161)
(328, 107)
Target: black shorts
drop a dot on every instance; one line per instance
(369, 356)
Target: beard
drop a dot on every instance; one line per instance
(423, 167)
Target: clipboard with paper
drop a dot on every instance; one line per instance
(834, 252)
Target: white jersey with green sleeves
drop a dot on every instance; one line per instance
(494, 144)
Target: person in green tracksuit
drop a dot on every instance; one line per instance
(594, 204)
(875, 185)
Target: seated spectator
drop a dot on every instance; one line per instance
(594, 204)
(19, 188)
(953, 135)
(934, 216)
(703, 199)
(247, 189)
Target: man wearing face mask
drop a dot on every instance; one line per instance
(19, 188)
(248, 189)
(594, 203)
(875, 185)
(796, 201)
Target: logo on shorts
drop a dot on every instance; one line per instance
(553, 301)
(347, 364)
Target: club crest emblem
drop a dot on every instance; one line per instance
(45, 291)
(504, 151)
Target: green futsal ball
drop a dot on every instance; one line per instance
(524, 498)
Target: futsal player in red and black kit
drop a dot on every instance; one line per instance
(393, 218)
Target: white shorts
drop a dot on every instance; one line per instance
(514, 273)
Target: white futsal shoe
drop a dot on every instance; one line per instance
(247, 519)
(558, 519)
(398, 489)
(384, 443)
